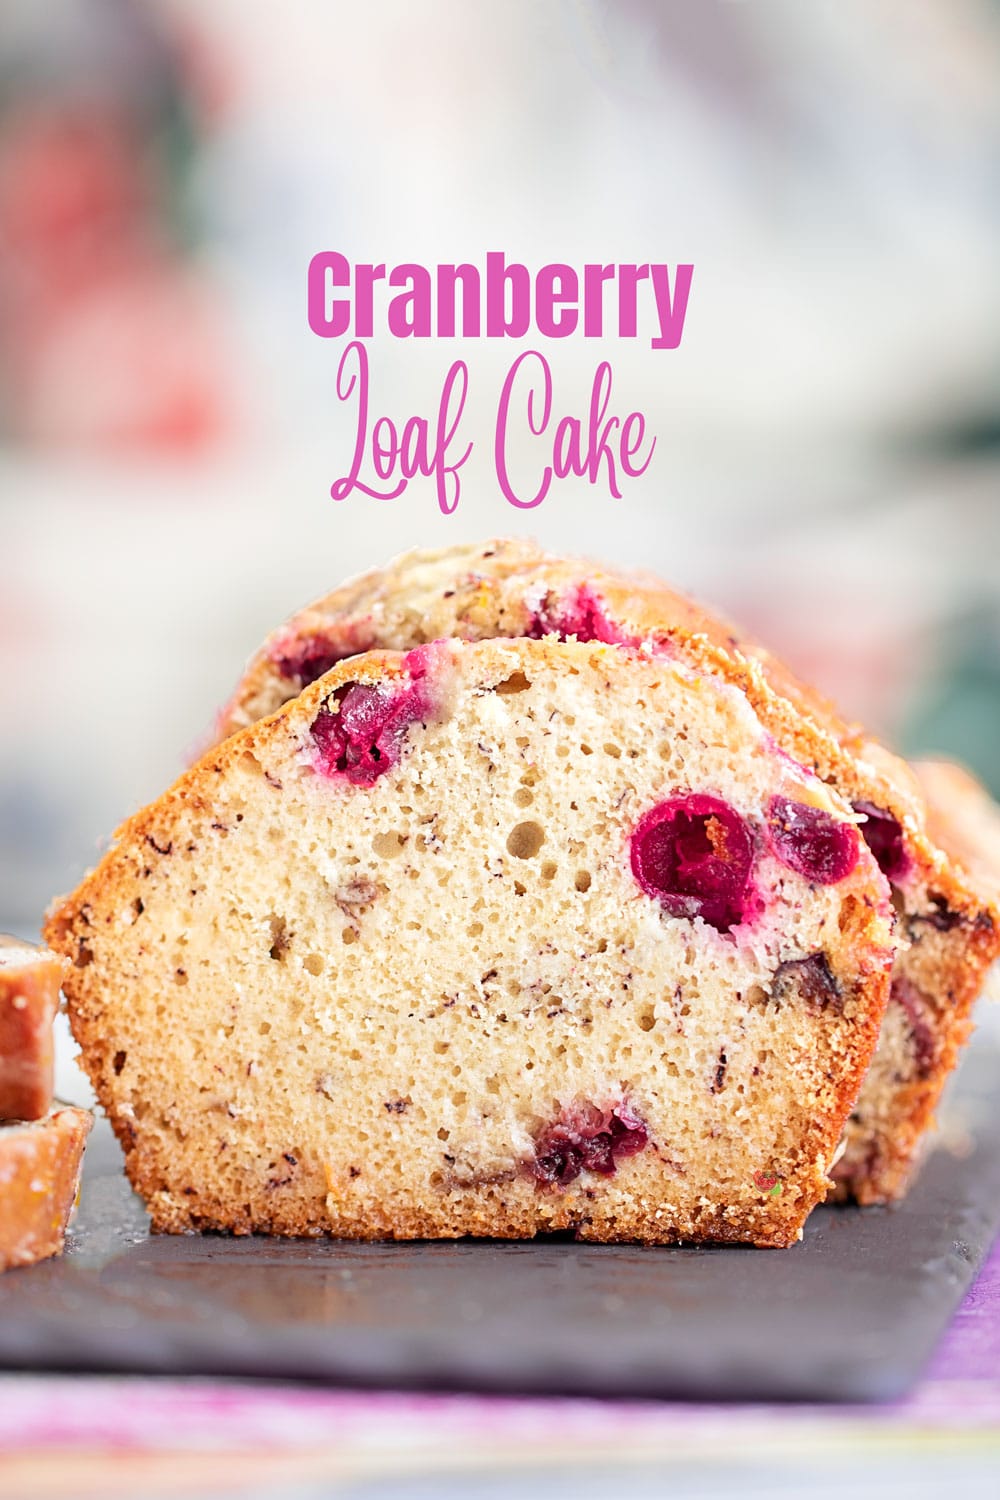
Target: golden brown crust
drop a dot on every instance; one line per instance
(29, 998)
(39, 1178)
(949, 905)
(314, 1200)
(489, 1215)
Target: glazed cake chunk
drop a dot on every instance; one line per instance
(39, 1178)
(948, 907)
(488, 939)
(29, 998)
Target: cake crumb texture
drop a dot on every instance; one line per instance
(494, 938)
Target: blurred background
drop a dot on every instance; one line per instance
(828, 436)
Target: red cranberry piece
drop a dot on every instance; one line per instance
(884, 836)
(811, 842)
(578, 613)
(587, 1139)
(812, 980)
(628, 1133)
(357, 742)
(365, 739)
(598, 1154)
(559, 1157)
(923, 1039)
(306, 661)
(939, 916)
(694, 855)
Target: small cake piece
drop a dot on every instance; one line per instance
(39, 1178)
(487, 939)
(949, 907)
(29, 998)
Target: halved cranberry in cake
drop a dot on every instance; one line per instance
(578, 612)
(364, 739)
(884, 836)
(811, 842)
(694, 854)
(587, 1139)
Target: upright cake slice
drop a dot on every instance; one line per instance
(485, 939)
(949, 908)
(29, 998)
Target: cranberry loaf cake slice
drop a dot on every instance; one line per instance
(30, 978)
(949, 912)
(40, 1166)
(486, 939)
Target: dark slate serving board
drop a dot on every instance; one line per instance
(852, 1313)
